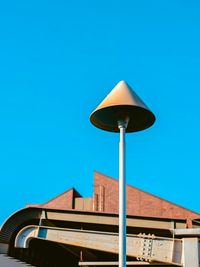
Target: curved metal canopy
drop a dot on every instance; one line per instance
(120, 104)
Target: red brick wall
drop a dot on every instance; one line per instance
(139, 203)
(105, 199)
(63, 201)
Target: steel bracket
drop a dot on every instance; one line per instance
(146, 247)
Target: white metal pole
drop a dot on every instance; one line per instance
(122, 195)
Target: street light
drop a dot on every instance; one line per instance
(122, 111)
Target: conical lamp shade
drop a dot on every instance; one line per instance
(122, 103)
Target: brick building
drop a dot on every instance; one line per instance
(73, 214)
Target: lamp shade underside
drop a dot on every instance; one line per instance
(108, 117)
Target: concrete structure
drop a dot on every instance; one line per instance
(70, 230)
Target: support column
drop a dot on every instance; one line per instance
(190, 252)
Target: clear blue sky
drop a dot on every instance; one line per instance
(59, 59)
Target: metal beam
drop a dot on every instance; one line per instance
(143, 247)
(116, 263)
(187, 232)
(140, 222)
